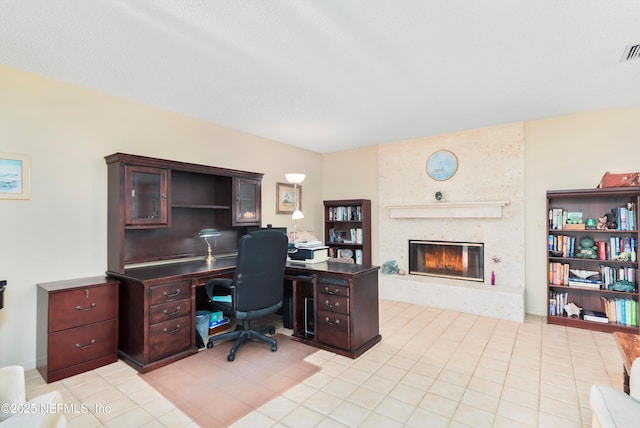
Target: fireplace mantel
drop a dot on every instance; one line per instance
(474, 209)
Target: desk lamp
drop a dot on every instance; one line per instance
(295, 179)
(207, 233)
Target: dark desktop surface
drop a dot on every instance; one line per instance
(200, 267)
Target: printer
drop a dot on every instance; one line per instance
(308, 252)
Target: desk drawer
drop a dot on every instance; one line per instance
(170, 310)
(333, 289)
(333, 303)
(169, 337)
(170, 292)
(81, 306)
(81, 344)
(333, 329)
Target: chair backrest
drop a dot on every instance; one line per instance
(259, 275)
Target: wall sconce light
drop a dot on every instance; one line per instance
(207, 233)
(295, 179)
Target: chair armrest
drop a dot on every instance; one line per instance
(220, 287)
(634, 380)
(45, 410)
(613, 408)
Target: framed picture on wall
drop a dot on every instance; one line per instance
(286, 197)
(15, 176)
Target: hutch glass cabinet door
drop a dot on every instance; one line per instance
(146, 198)
(247, 202)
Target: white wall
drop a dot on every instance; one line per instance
(60, 233)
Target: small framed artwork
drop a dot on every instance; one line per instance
(286, 197)
(15, 176)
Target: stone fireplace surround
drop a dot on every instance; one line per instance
(483, 202)
(459, 295)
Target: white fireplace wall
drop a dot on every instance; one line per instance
(490, 168)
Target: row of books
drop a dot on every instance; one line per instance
(624, 217)
(621, 311)
(566, 246)
(347, 213)
(616, 310)
(351, 236)
(605, 276)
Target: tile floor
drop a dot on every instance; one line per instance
(433, 368)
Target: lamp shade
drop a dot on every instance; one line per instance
(205, 233)
(294, 178)
(297, 215)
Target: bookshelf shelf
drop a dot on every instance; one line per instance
(347, 229)
(610, 279)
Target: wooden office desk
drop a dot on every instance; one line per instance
(157, 308)
(629, 348)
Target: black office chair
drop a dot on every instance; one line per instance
(256, 289)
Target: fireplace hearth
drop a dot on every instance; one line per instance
(447, 259)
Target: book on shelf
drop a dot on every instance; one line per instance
(596, 316)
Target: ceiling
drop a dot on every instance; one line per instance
(328, 75)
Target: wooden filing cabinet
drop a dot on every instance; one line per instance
(77, 326)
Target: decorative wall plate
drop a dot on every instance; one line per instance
(442, 165)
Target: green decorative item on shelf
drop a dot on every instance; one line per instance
(622, 285)
(587, 249)
(389, 268)
(590, 224)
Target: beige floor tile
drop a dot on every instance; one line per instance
(350, 414)
(518, 413)
(366, 398)
(437, 404)
(395, 409)
(473, 417)
(421, 418)
(323, 402)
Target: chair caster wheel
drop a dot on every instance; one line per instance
(272, 331)
(274, 348)
(209, 345)
(231, 357)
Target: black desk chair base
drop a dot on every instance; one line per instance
(243, 333)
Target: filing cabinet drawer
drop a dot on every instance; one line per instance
(169, 311)
(82, 344)
(170, 292)
(169, 337)
(333, 303)
(333, 329)
(82, 306)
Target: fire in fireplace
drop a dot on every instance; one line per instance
(447, 259)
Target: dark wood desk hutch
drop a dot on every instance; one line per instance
(156, 210)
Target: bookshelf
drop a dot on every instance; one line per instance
(347, 229)
(601, 276)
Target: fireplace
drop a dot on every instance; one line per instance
(447, 259)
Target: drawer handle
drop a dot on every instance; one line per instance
(173, 294)
(166, 330)
(79, 308)
(79, 346)
(336, 291)
(329, 305)
(328, 321)
(167, 313)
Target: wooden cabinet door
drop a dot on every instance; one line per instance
(247, 202)
(146, 197)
